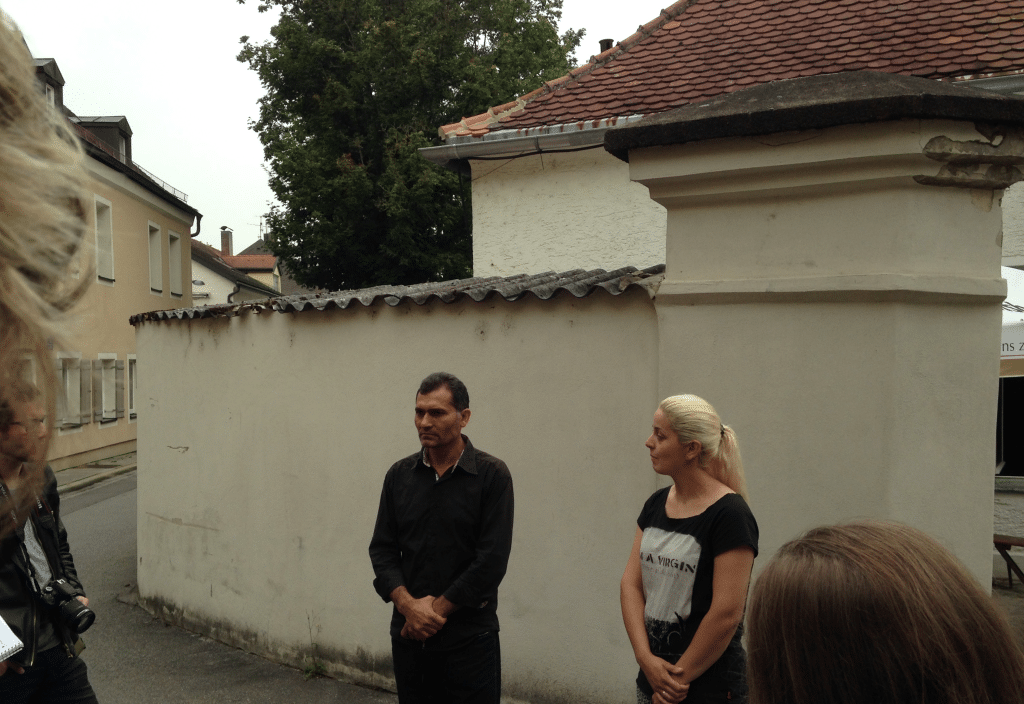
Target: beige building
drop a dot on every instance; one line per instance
(143, 231)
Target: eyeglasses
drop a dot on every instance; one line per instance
(31, 423)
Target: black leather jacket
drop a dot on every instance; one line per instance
(19, 606)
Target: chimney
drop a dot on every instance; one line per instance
(606, 44)
(225, 241)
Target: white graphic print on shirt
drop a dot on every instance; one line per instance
(668, 562)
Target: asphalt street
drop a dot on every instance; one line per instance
(133, 657)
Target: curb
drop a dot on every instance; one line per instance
(95, 479)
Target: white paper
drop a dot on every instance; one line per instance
(9, 643)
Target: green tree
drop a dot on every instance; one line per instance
(353, 89)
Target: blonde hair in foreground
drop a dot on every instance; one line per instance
(45, 212)
(876, 613)
(693, 418)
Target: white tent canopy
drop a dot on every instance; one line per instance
(1011, 360)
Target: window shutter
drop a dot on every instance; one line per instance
(85, 391)
(119, 386)
(97, 390)
(104, 253)
(104, 261)
(62, 401)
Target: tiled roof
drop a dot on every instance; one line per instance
(697, 49)
(257, 247)
(289, 286)
(577, 282)
(251, 262)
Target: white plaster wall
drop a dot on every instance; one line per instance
(252, 524)
(846, 317)
(851, 414)
(1008, 514)
(578, 210)
(1013, 225)
(557, 212)
(216, 285)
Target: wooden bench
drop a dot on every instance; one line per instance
(1003, 544)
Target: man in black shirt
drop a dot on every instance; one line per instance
(440, 548)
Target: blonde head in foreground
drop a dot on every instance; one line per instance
(45, 214)
(876, 613)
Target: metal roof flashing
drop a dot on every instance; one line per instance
(578, 283)
(530, 140)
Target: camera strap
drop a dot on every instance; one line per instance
(40, 504)
(26, 557)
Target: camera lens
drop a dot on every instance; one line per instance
(77, 615)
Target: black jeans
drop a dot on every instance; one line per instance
(467, 674)
(54, 678)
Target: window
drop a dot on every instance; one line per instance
(51, 96)
(133, 384)
(156, 260)
(107, 388)
(174, 261)
(1010, 414)
(104, 241)
(74, 391)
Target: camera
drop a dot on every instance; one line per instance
(77, 616)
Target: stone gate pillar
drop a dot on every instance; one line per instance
(833, 288)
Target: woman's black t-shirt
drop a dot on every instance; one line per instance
(677, 563)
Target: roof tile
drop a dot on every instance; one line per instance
(697, 49)
(251, 262)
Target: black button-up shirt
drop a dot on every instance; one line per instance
(447, 536)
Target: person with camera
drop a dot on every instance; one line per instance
(41, 598)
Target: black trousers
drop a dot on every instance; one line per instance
(467, 674)
(53, 679)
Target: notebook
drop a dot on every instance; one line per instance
(9, 643)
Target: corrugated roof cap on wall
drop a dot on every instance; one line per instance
(578, 282)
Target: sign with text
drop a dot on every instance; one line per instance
(1011, 356)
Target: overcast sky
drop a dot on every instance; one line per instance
(170, 68)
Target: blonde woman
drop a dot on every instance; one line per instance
(879, 613)
(45, 211)
(685, 585)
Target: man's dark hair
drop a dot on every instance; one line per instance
(460, 396)
(17, 391)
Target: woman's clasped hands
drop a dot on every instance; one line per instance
(666, 679)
